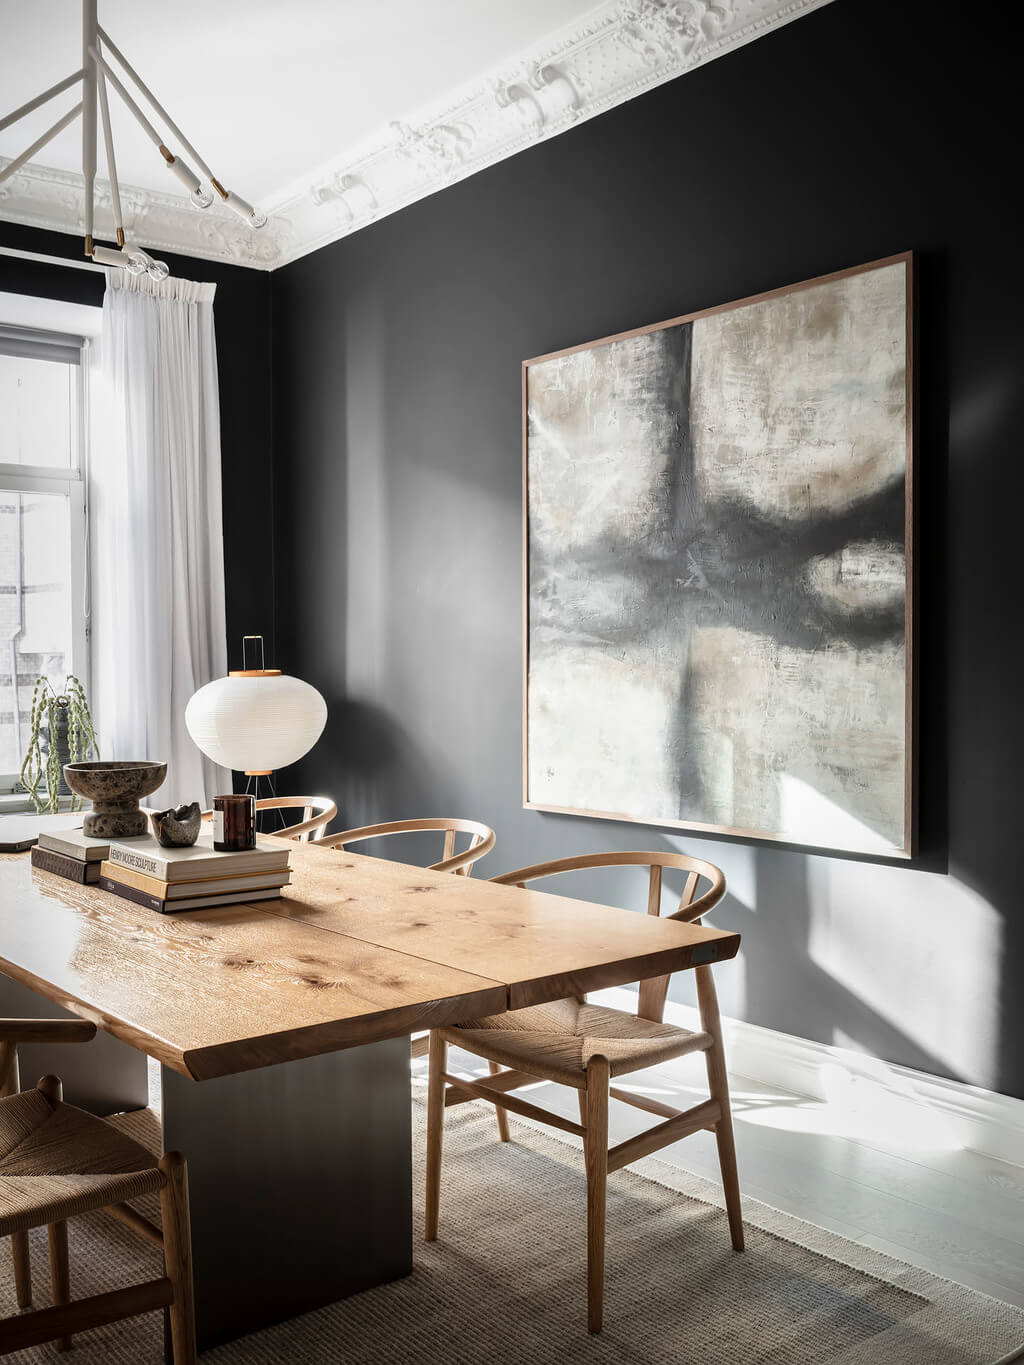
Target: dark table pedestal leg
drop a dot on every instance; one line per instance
(300, 1178)
(105, 1076)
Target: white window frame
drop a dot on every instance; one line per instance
(61, 320)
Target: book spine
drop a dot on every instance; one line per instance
(193, 869)
(139, 862)
(131, 893)
(200, 886)
(63, 866)
(218, 886)
(127, 876)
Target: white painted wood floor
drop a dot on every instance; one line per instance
(953, 1212)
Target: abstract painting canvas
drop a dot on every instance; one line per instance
(718, 595)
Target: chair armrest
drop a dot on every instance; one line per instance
(703, 905)
(46, 1030)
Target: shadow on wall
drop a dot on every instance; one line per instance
(904, 968)
(780, 936)
(372, 769)
(985, 581)
(795, 974)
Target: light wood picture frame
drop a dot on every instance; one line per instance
(718, 572)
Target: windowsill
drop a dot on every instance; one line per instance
(16, 803)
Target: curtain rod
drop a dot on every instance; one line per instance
(50, 260)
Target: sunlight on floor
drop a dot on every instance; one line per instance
(883, 1122)
(855, 1108)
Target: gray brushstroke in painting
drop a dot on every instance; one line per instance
(716, 570)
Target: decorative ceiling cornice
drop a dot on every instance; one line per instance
(45, 198)
(624, 48)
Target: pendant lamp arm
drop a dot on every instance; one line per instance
(47, 95)
(108, 142)
(40, 143)
(133, 108)
(89, 118)
(183, 172)
(144, 88)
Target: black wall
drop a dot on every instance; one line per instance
(397, 353)
(242, 320)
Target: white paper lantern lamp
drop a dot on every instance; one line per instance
(256, 720)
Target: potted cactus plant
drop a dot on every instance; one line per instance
(64, 718)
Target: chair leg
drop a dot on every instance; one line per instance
(595, 1153)
(22, 1269)
(60, 1272)
(718, 1084)
(435, 1132)
(177, 1230)
(10, 1084)
(500, 1114)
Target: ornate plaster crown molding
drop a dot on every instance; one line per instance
(623, 48)
(41, 197)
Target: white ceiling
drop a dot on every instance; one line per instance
(266, 91)
(331, 113)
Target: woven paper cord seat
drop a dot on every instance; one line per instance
(56, 1163)
(575, 1043)
(557, 1040)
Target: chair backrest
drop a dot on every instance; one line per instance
(481, 840)
(654, 991)
(317, 814)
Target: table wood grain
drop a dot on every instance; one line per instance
(358, 949)
(213, 992)
(545, 947)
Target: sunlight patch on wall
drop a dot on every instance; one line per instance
(921, 953)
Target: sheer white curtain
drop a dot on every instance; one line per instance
(156, 535)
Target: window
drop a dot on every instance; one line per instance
(43, 568)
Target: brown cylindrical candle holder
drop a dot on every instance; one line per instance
(234, 823)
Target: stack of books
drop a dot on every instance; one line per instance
(69, 853)
(196, 878)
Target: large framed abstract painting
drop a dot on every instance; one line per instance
(718, 604)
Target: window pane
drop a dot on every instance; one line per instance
(36, 606)
(36, 411)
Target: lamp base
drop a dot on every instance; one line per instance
(261, 786)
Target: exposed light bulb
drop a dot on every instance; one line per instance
(131, 258)
(202, 199)
(256, 218)
(184, 172)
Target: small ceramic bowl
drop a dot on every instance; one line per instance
(177, 828)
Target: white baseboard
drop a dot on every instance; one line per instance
(863, 1097)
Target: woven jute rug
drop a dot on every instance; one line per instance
(506, 1280)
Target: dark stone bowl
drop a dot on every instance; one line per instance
(114, 790)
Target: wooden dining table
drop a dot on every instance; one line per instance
(281, 1029)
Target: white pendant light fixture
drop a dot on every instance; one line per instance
(92, 78)
(256, 720)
